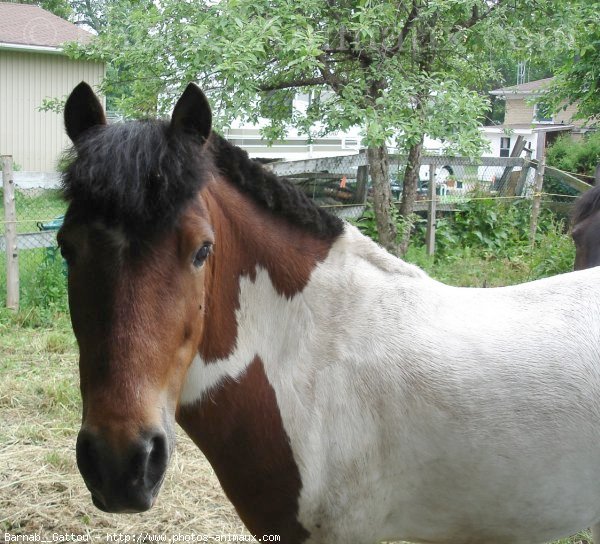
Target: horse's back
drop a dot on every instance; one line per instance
(463, 414)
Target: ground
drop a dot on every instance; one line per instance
(41, 490)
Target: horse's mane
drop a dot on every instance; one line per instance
(140, 175)
(586, 205)
(272, 192)
(134, 174)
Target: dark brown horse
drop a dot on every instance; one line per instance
(586, 229)
(341, 395)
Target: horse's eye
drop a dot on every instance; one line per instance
(202, 254)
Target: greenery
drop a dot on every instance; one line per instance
(578, 156)
(41, 270)
(398, 69)
(577, 77)
(486, 243)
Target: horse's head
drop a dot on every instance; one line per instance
(137, 238)
(586, 230)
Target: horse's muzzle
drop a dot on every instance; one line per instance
(126, 481)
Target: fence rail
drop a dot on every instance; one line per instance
(32, 200)
(26, 180)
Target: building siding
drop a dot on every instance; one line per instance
(36, 139)
(518, 112)
(566, 116)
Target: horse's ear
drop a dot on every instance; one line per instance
(83, 110)
(192, 113)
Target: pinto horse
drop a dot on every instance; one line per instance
(586, 229)
(341, 394)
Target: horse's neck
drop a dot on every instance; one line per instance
(249, 240)
(228, 405)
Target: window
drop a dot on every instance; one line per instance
(505, 146)
(541, 114)
(349, 143)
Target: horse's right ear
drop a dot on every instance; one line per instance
(192, 113)
(83, 110)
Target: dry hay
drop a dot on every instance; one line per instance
(41, 490)
(46, 495)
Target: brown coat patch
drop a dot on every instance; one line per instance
(239, 429)
(247, 236)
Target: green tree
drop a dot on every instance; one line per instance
(577, 77)
(91, 13)
(62, 8)
(398, 69)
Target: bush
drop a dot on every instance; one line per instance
(486, 243)
(577, 156)
(43, 297)
(488, 227)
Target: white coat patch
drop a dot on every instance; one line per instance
(422, 412)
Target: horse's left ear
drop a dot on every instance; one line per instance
(192, 113)
(83, 110)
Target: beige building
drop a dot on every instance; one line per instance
(33, 67)
(522, 118)
(520, 109)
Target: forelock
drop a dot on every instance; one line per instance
(138, 175)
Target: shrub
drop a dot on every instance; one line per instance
(486, 243)
(577, 156)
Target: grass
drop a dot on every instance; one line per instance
(35, 206)
(468, 269)
(41, 490)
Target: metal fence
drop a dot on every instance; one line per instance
(28, 248)
(340, 184)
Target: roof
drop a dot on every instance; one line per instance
(531, 126)
(28, 25)
(531, 88)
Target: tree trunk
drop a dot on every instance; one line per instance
(409, 192)
(382, 197)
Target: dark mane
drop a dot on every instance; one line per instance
(136, 174)
(140, 175)
(272, 192)
(586, 205)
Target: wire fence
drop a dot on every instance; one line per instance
(340, 184)
(39, 210)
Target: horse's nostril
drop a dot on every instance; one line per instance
(148, 461)
(88, 459)
(157, 459)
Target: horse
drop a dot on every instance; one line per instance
(586, 229)
(340, 393)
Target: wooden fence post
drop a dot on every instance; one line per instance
(520, 189)
(506, 175)
(431, 211)
(10, 234)
(537, 199)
